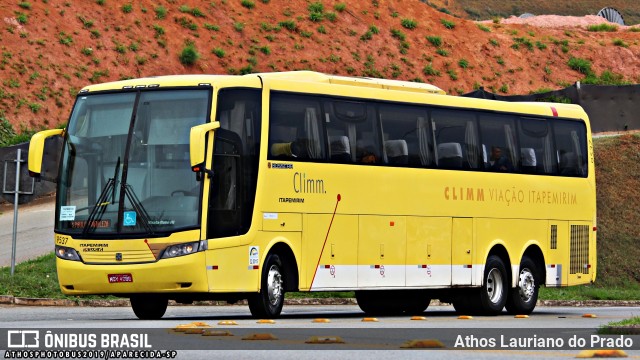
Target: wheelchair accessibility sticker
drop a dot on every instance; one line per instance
(129, 218)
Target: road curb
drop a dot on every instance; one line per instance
(20, 301)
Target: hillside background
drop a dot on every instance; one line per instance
(50, 49)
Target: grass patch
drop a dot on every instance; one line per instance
(604, 27)
(448, 24)
(596, 291)
(435, 40)
(629, 326)
(580, 65)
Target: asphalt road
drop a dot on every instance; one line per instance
(363, 340)
(35, 231)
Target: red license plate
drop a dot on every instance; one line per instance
(119, 278)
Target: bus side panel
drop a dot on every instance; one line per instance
(337, 264)
(382, 251)
(229, 269)
(557, 256)
(462, 251)
(428, 251)
(514, 235)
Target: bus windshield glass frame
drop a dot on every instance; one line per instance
(125, 166)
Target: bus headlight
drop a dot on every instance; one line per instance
(67, 253)
(184, 249)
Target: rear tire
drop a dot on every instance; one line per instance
(523, 298)
(267, 304)
(149, 307)
(493, 293)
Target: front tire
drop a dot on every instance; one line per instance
(267, 304)
(149, 307)
(523, 298)
(493, 293)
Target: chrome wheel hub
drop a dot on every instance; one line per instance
(274, 284)
(526, 285)
(494, 286)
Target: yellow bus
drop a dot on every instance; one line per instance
(202, 187)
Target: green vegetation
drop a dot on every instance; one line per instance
(409, 23)
(189, 55)
(127, 8)
(340, 7)
(448, 24)
(580, 65)
(248, 4)
(288, 24)
(25, 5)
(161, 12)
(398, 34)
(430, 71)
(620, 42)
(435, 40)
(604, 27)
(442, 52)
(219, 52)
(463, 63)
(629, 326)
(483, 28)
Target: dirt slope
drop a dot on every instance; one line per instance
(52, 48)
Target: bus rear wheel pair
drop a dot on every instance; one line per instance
(496, 294)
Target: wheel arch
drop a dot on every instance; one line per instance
(501, 251)
(289, 263)
(534, 252)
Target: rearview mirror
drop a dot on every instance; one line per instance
(197, 141)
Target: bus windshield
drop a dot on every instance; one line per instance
(125, 164)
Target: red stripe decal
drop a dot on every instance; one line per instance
(554, 111)
(327, 266)
(325, 240)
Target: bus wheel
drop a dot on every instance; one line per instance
(149, 307)
(416, 304)
(493, 293)
(267, 304)
(522, 299)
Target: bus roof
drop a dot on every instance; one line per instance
(311, 77)
(302, 76)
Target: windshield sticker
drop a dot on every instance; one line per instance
(67, 213)
(254, 255)
(129, 218)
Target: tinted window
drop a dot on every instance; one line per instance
(536, 147)
(571, 147)
(296, 130)
(407, 136)
(456, 139)
(499, 143)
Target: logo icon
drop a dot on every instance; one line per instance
(23, 338)
(118, 256)
(129, 218)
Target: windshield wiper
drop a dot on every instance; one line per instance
(100, 207)
(137, 207)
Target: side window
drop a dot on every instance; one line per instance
(406, 136)
(456, 139)
(352, 132)
(536, 147)
(499, 143)
(295, 131)
(571, 147)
